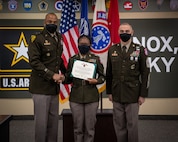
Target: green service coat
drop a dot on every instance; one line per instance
(127, 77)
(45, 59)
(82, 91)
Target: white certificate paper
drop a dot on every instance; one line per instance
(83, 70)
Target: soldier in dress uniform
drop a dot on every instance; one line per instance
(45, 50)
(127, 82)
(84, 96)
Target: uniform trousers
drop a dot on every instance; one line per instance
(125, 120)
(84, 118)
(46, 112)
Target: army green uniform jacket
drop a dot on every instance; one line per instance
(82, 91)
(45, 59)
(127, 77)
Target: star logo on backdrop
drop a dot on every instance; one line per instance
(20, 50)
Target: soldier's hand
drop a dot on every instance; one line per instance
(92, 81)
(141, 100)
(110, 97)
(62, 78)
(58, 78)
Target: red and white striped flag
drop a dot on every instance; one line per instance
(114, 21)
(70, 34)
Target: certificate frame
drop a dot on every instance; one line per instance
(83, 69)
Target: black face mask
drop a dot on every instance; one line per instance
(84, 49)
(51, 27)
(125, 37)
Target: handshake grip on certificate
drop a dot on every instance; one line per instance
(58, 78)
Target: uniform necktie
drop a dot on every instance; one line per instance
(55, 37)
(124, 51)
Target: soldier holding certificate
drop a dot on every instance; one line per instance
(84, 96)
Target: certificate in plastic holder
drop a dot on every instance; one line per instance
(83, 70)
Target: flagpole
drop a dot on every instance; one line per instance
(101, 102)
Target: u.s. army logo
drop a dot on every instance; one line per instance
(19, 50)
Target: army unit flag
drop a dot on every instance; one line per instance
(84, 28)
(114, 21)
(101, 40)
(70, 34)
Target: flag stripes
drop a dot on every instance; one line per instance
(70, 34)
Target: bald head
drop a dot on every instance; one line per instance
(51, 18)
(51, 22)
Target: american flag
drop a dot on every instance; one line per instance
(70, 34)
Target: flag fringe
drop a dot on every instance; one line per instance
(102, 88)
(62, 101)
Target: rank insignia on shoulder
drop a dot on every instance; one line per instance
(114, 53)
(33, 37)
